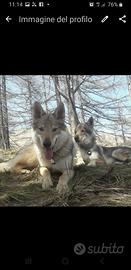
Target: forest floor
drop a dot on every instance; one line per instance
(89, 187)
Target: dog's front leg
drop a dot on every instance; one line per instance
(63, 181)
(46, 178)
(44, 172)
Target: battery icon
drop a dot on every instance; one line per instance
(120, 4)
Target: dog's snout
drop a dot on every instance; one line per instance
(47, 143)
(77, 138)
(86, 161)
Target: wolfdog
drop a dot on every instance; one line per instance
(92, 153)
(52, 148)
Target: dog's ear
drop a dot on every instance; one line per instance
(59, 112)
(37, 110)
(90, 122)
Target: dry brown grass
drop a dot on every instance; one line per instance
(89, 187)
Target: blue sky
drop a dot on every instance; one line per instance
(120, 91)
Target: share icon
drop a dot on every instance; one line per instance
(121, 19)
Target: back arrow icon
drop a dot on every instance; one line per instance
(8, 19)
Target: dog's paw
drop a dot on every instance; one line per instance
(47, 183)
(62, 187)
(45, 178)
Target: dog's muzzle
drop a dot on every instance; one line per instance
(77, 138)
(48, 149)
(47, 143)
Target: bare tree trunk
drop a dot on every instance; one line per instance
(29, 94)
(72, 110)
(116, 140)
(129, 84)
(44, 91)
(4, 115)
(123, 133)
(121, 123)
(57, 87)
(80, 100)
(1, 121)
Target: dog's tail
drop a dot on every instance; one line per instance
(122, 154)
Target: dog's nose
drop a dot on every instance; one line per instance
(86, 161)
(47, 143)
(77, 138)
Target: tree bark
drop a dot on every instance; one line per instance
(4, 115)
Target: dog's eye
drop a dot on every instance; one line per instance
(89, 153)
(82, 130)
(54, 129)
(41, 129)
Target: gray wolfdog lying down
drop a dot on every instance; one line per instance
(52, 148)
(93, 153)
